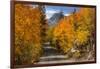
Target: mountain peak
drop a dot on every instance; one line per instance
(55, 18)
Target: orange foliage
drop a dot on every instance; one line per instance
(27, 33)
(74, 29)
(64, 33)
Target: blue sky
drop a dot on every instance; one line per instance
(50, 10)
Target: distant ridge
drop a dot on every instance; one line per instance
(55, 18)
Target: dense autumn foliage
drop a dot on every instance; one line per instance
(28, 36)
(85, 24)
(75, 32)
(63, 34)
